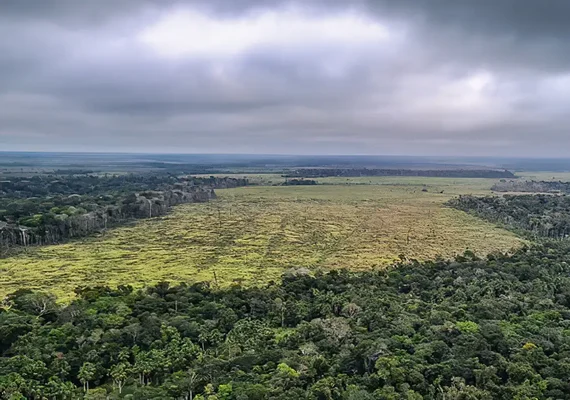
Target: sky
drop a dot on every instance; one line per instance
(407, 77)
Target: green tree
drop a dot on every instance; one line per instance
(120, 373)
(86, 374)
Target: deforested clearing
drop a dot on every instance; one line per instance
(251, 235)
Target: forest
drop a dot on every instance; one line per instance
(435, 173)
(105, 184)
(51, 209)
(493, 328)
(535, 216)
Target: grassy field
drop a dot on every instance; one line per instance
(448, 185)
(253, 234)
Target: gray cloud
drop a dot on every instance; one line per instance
(449, 77)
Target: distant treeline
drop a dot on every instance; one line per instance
(48, 210)
(45, 185)
(532, 186)
(72, 171)
(539, 215)
(299, 182)
(439, 173)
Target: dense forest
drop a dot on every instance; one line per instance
(540, 215)
(531, 186)
(494, 328)
(440, 173)
(51, 209)
(87, 184)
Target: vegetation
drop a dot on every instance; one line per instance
(253, 234)
(98, 187)
(83, 184)
(359, 288)
(25, 164)
(495, 328)
(545, 175)
(46, 210)
(532, 186)
(352, 172)
(540, 215)
(299, 182)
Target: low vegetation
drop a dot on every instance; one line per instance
(253, 234)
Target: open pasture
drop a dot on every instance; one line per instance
(253, 234)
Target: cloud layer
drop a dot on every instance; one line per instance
(444, 77)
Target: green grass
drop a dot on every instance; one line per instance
(253, 234)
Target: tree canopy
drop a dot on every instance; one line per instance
(494, 328)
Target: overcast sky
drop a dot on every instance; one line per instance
(414, 77)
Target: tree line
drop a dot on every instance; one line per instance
(356, 172)
(493, 328)
(299, 182)
(48, 209)
(103, 184)
(536, 216)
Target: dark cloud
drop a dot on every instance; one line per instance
(449, 77)
(523, 19)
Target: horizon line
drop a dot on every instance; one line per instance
(81, 152)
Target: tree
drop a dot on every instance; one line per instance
(285, 377)
(183, 384)
(325, 389)
(38, 304)
(120, 374)
(58, 389)
(460, 391)
(86, 374)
